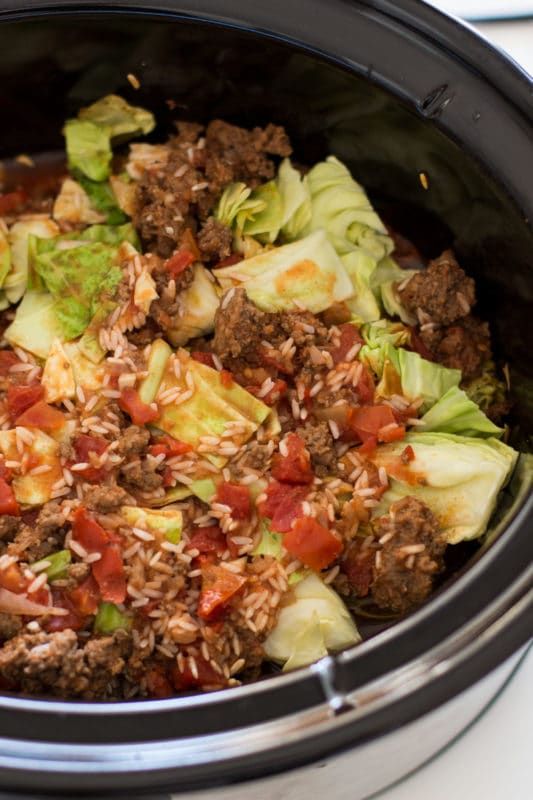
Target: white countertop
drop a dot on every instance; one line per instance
(493, 760)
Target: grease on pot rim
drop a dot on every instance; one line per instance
(237, 411)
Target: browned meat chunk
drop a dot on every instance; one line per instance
(55, 664)
(133, 441)
(442, 291)
(240, 327)
(10, 625)
(142, 476)
(407, 561)
(104, 499)
(464, 345)
(43, 537)
(235, 154)
(76, 573)
(243, 331)
(214, 240)
(256, 456)
(319, 441)
(9, 526)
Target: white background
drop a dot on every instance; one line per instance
(493, 760)
(483, 9)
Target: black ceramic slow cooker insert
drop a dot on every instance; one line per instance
(393, 89)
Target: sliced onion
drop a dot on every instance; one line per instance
(11, 603)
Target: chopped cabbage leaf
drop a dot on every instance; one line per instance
(270, 543)
(384, 281)
(5, 255)
(79, 279)
(360, 267)
(157, 362)
(383, 331)
(456, 413)
(307, 272)
(173, 495)
(73, 205)
(165, 523)
(296, 200)
(210, 408)
(422, 378)
(88, 138)
(33, 490)
(58, 376)
(35, 326)
(110, 618)
(104, 199)
(198, 303)
(19, 238)
(125, 194)
(313, 624)
(234, 196)
(459, 478)
(264, 220)
(341, 206)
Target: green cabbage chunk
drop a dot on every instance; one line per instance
(19, 238)
(296, 200)
(165, 523)
(456, 413)
(384, 281)
(58, 563)
(314, 623)
(212, 406)
(110, 618)
(89, 137)
(198, 304)
(306, 272)
(80, 279)
(157, 362)
(422, 378)
(459, 478)
(35, 326)
(5, 254)
(270, 543)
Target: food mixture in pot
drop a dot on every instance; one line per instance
(234, 408)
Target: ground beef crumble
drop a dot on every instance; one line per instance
(58, 664)
(46, 535)
(105, 499)
(320, 443)
(442, 291)
(465, 345)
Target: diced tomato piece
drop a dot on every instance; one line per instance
(88, 532)
(169, 446)
(203, 675)
(407, 454)
(8, 502)
(12, 201)
(365, 388)
(349, 337)
(179, 261)
(234, 258)
(85, 598)
(71, 620)
(12, 579)
(391, 434)
(208, 540)
(369, 445)
(140, 413)
(83, 445)
(219, 585)
(203, 357)
(8, 359)
(109, 574)
(20, 398)
(5, 472)
(283, 504)
(295, 467)
(157, 683)
(314, 545)
(357, 565)
(42, 416)
(235, 496)
(168, 478)
(366, 421)
(226, 378)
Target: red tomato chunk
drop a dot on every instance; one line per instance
(295, 467)
(140, 413)
(42, 416)
(283, 504)
(236, 497)
(8, 503)
(20, 398)
(314, 545)
(219, 585)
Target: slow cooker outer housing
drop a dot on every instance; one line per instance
(394, 89)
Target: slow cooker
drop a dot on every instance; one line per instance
(395, 89)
